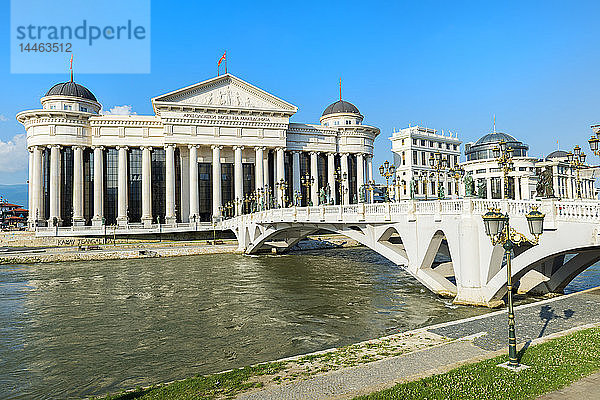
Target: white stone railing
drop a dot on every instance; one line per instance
(554, 210)
(574, 211)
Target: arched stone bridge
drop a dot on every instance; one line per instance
(442, 243)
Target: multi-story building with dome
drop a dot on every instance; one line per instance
(207, 145)
(523, 179)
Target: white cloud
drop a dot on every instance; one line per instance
(119, 110)
(13, 154)
(3, 118)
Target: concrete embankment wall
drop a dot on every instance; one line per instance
(70, 251)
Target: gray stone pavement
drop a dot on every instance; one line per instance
(482, 337)
(586, 388)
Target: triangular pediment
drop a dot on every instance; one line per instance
(225, 91)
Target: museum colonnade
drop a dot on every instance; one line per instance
(101, 185)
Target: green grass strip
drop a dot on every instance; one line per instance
(553, 365)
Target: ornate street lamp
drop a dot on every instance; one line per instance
(370, 186)
(594, 142)
(457, 173)
(340, 178)
(307, 181)
(439, 164)
(503, 154)
(576, 160)
(497, 227)
(387, 170)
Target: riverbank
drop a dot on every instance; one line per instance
(375, 365)
(141, 249)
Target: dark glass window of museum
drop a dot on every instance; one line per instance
(66, 187)
(226, 183)
(177, 185)
(134, 204)
(248, 185)
(158, 185)
(305, 173)
(288, 176)
(204, 193)
(352, 178)
(111, 185)
(322, 171)
(45, 212)
(88, 185)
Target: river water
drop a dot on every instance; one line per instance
(70, 330)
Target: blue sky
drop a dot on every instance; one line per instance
(446, 65)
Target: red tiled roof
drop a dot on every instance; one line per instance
(9, 205)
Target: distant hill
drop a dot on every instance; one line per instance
(16, 194)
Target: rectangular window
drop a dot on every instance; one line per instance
(423, 160)
(111, 185)
(204, 193)
(134, 206)
(414, 142)
(66, 191)
(415, 158)
(158, 172)
(67, 107)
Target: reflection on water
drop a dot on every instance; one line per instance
(87, 328)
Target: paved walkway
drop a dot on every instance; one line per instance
(481, 337)
(586, 388)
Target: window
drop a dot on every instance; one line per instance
(422, 142)
(134, 206)
(415, 158)
(480, 171)
(415, 142)
(348, 122)
(111, 187)
(522, 168)
(53, 107)
(455, 147)
(447, 146)
(158, 172)
(402, 142)
(84, 109)
(403, 159)
(423, 161)
(336, 122)
(66, 189)
(326, 124)
(67, 107)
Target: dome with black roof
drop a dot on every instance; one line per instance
(483, 149)
(557, 154)
(341, 106)
(496, 137)
(71, 89)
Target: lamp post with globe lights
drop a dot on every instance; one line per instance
(576, 160)
(503, 154)
(439, 164)
(497, 227)
(387, 170)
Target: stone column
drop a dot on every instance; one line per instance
(258, 167)
(170, 184)
(194, 206)
(78, 219)
(489, 187)
(238, 178)
(54, 185)
(314, 175)
(30, 165)
(216, 180)
(36, 208)
(280, 174)
(360, 176)
(98, 186)
(331, 175)
(370, 174)
(296, 172)
(346, 187)
(122, 218)
(147, 186)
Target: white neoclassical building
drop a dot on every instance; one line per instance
(523, 179)
(412, 148)
(207, 145)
